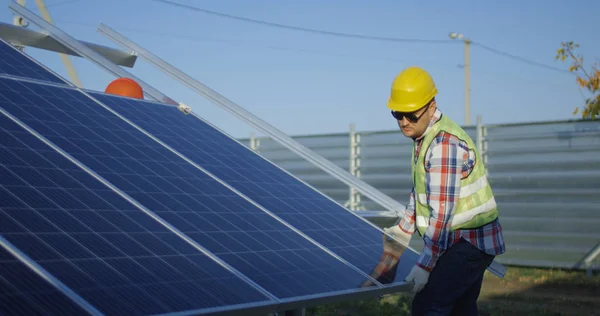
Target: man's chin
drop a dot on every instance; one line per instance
(407, 133)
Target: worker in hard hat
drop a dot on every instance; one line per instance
(451, 205)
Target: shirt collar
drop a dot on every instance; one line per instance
(436, 117)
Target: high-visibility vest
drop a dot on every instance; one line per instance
(476, 205)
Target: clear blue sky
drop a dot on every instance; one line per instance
(311, 84)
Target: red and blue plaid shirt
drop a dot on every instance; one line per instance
(447, 161)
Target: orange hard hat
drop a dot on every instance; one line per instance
(126, 87)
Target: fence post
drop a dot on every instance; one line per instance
(354, 201)
(254, 142)
(479, 137)
(480, 140)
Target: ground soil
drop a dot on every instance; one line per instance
(523, 291)
(526, 291)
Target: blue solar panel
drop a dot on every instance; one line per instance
(16, 63)
(23, 292)
(96, 242)
(262, 248)
(303, 207)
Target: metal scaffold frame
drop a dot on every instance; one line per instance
(319, 161)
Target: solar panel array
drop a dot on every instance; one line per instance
(114, 205)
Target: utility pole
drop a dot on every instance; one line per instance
(467, 67)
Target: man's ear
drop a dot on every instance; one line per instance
(432, 108)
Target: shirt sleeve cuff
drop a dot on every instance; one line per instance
(406, 226)
(426, 262)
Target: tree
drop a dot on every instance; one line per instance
(586, 79)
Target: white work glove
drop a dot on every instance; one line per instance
(419, 277)
(398, 234)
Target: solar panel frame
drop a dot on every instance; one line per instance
(51, 85)
(39, 71)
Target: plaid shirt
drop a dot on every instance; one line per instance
(446, 162)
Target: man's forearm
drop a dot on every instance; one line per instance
(407, 223)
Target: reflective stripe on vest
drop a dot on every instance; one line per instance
(476, 205)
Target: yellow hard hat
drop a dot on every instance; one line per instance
(412, 89)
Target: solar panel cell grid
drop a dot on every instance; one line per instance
(96, 242)
(240, 233)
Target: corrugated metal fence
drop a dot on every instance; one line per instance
(546, 177)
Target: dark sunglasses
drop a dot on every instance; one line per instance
(411, 117)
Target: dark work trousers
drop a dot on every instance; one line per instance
(454, 283)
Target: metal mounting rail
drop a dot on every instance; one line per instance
(327, 166)
(256, 122)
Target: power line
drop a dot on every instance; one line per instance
(521, 59)
(197, 38)
(359, 36)
(202, 39)
(308, 30)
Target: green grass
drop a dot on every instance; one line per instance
(523, 291)
(388, 305)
